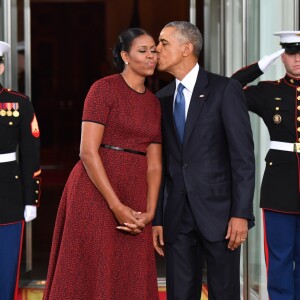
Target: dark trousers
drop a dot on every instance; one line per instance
(282, 252)
(10, 254)
(184, 262)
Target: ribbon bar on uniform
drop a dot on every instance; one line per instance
(291, 147)
(122, 149)
(7, 157)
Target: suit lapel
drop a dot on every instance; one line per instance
(199, 96)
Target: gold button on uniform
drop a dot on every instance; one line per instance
(298, 129)
(298, 89)
(298, 107)
(298, 119)
(277, 108)
(38, 182)
(298, 98)
(10, 123)
(17, 177)
(36, 201)
(36, 191)
(270, 163)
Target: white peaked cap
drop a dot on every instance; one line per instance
(288, 37)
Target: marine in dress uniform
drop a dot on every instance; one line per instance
(278, 104)
(19, 179)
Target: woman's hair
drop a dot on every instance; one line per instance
(189, 33)
(124, 43)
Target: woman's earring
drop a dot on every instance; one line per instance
(126, 62)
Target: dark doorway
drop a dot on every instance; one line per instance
(68, 53)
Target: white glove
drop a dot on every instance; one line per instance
(29, 213)
(267, 60)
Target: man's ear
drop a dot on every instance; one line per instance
(188, 49)
(2, 68)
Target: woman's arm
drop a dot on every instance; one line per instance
(91, 137)
(154, 173)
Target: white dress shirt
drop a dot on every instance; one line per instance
(189, 82)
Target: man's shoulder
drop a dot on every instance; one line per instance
(167, 90)
(212, 77)
(219, 81)
(11, 94)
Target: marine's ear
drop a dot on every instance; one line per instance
(2, 68)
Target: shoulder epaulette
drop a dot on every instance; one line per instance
(15, 93)
(275, 82)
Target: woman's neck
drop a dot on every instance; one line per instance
(135, 82)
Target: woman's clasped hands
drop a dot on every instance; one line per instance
(131, 221)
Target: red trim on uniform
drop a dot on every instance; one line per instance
(266, 249)
(276, 82)
(10, 223)
(283, 212)
(298, 162)
(291, 84)
(19, 262)
(297, 135)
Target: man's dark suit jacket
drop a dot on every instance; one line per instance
(214, 168)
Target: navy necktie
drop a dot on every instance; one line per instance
(179, 111)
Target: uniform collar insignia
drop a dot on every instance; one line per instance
(292, 80)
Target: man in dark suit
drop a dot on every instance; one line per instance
(206, 204)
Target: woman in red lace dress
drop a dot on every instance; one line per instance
(102, 245)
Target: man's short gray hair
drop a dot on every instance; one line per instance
(189, 33)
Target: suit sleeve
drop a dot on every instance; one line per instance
(241, 150)
(29, 154)
(158, 218)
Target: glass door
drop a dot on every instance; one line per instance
(238, 33)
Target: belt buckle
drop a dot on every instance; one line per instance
(297, 147)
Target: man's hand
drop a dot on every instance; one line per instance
(267, 60)
(158, 239)
(237, 232)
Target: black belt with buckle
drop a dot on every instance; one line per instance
(122, 149)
